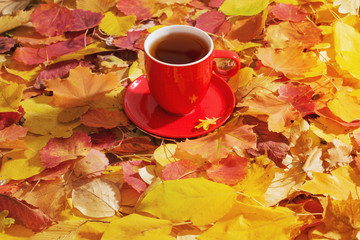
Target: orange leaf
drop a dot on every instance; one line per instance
(230, 170)
(290, 61)
(218, 144)
(58, 150)
(12, 133)
(81, 87)
(103, 118)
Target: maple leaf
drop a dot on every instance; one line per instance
(6, 44)
(280, 113)
(339, 153)
(81, 87)
(179, 170)
(218, 144)
(290, 61)
(303, 34)
(105, 119)
(205, 123)
(230, 170)
(96, 198)
(58, 150)
(24, 213)
(142, 9)
(288, 12)
(51, 19)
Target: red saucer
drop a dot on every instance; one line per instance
(143, 110)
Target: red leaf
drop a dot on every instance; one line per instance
(198, 4)
(58, 150)
(135, 145)
(210, 21)
(6, 44)
(24, 213)
(327, 114)
(31, 56)
(12, 133)
(180, 170)
(51, 19)
(230, 170)
(103, 139)
(142, 9)
(128, 41)
(85, 19)
(299, 96)
(287, 12)
(58, 70)
(9, 118)
(101, 118)
(10, 187)
(50, 174)
(131, 174)
(274, 144)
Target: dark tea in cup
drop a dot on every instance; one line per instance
(179, 48)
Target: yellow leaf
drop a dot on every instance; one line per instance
(165, 154)
(170, 2)
(96, 198)
(346, 6)
(138, 227)
(189, 199)
(205, 123)
(28, 161)
(28, 75)
(135, 71)
(253, 223)
(10, 96)
(62, 230)
(341, 183)
(346, 105)
(257, 180)
(8, 22)
(91, 231)
(116, 26)
(42, 118)
(347, 47)
(16, 232)
(111, 101)
(95, 5)
(244, 7)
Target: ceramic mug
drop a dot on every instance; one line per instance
(179, 65)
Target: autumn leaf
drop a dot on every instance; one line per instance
(95, 5)
(136, 226)
(134, 145)
(128, 41)
(250, 222)
(10, 96)
(210, 21)
(351, 7)
(6, 44)
(105, 119)
(345, 105)
(85, 20)
(9, 22)
(341, 184)
(51, 19)
(188, 199)
(243, 8)
(58, 150)
(217, 145)
(131, 174)
(93, 164)
(180, 169)
(25, 213)
(288, 12)
(230, 170)
(96, 198)
(81, 87)
(142, 9)
(116, 26)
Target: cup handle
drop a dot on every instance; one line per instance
(226, 54)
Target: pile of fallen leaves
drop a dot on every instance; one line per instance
(285, 165)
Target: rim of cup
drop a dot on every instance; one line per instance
(167, 30)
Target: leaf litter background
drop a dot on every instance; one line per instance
(285, 166)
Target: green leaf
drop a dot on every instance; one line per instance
(189, 199)
(243, 7)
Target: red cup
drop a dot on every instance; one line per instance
(179, 87)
